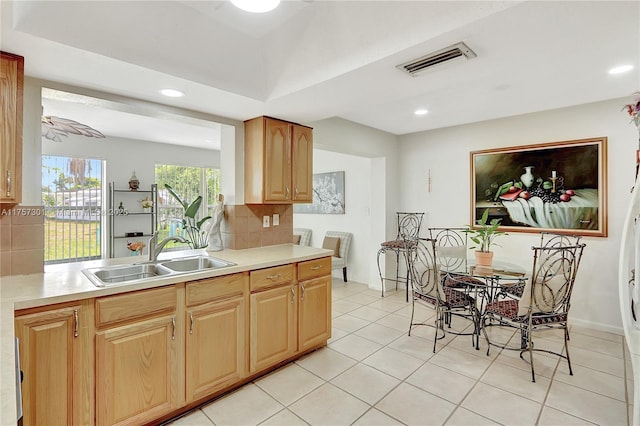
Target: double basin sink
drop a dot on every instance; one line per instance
(123, 274)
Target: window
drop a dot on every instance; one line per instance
(188, 182)
(72, 199)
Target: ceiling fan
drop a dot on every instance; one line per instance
(54, 128)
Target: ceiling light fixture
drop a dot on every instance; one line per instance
(172, 93)
(421, 112)
(256, 6)
(621, 69)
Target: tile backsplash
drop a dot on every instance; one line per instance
(21, 240)
(22, 233)
(242, 227)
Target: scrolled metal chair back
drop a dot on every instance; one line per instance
(409, 225)
(549, 239)
(423, 269)
(451, 248)
(551, 284)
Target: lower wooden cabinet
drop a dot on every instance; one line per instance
(314, 312)
(216, 339)
(273, 326)
(56, 357)
(133, 358)
(138, 357)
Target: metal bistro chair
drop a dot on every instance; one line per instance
(545, 301)
(451, 246)
(408, 231)
(428, 288)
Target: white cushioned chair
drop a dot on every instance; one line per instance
(305, 236)
(340, 261)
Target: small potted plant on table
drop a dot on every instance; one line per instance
(483, 235)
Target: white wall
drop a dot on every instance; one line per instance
(381, 149)
(356, 219)
(446, 153)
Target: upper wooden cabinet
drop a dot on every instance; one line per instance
(11, 93)
(278, 162)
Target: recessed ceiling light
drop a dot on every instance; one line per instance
(621, 69)
(172, 93)
(421, 112)
(256, 6)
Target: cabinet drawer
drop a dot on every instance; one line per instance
(269, 277)
(206, 290)
(314, 268)
(114, 309)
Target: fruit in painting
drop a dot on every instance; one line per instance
(525, 195)
(570, 192)
(565, 197)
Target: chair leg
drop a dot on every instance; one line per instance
(413, 308)
(380, 271)
(344, 274)
(566, 350)
(530, 343)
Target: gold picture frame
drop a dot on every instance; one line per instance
(556, 187)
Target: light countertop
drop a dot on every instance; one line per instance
(66, 282)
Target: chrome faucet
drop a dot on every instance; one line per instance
(156, 247)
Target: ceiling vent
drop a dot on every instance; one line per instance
(458, 50)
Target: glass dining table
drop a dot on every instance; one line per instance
(483, 284)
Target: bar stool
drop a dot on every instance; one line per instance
(408, 231)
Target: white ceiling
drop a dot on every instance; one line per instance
(310, 60)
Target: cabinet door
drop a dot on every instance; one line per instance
(277, 168)
(273, 326)
(302, 164)
(55, 355)
(11, 93)
(137, 372)
(314, 312)
(215, 347)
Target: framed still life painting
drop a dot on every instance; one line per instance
(557, 187)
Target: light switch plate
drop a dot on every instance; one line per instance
(276, 219)
(265, 221)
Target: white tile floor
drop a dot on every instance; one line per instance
(372, 373)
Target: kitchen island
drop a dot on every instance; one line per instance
(66, 283)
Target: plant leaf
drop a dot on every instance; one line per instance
(192, 210)
(176, 196)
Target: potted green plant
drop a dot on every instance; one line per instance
(483, 235)
(196, 235)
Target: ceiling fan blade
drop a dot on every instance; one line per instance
(64, 126)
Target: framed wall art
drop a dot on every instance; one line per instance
(557, 187)
(328, 195)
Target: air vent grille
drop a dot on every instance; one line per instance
(458, 50)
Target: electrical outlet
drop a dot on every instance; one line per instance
(265, 221)
(276, 219)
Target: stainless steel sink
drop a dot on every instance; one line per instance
(197, 263)
(121, 274)
(109, 275)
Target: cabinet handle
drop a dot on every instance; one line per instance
(77, 323)
(302, 292)
(173, 323)
(274, 277)
(287, 193)
(315, 268)
(295, 193)
(293, 295)
(190, 323)
(8, 183)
